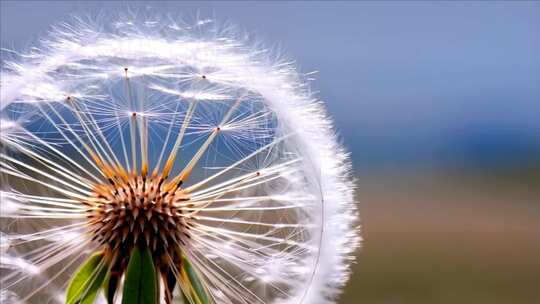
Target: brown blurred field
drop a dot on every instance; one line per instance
(448, 238)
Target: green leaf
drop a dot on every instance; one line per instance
(197, 288)
(87, 281)
(140, 280)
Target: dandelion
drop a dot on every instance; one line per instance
(149, 161)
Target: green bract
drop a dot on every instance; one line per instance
(88, 279)
(140, 284)
(197, 292)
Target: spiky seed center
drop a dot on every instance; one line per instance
(139, 211)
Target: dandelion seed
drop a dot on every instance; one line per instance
(169, 154)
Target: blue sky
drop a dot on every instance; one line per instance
(406, 82)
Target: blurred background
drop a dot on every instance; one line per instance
(439, 105)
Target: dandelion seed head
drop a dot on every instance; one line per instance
(185, 138)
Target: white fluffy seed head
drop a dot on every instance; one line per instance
(272, 200)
